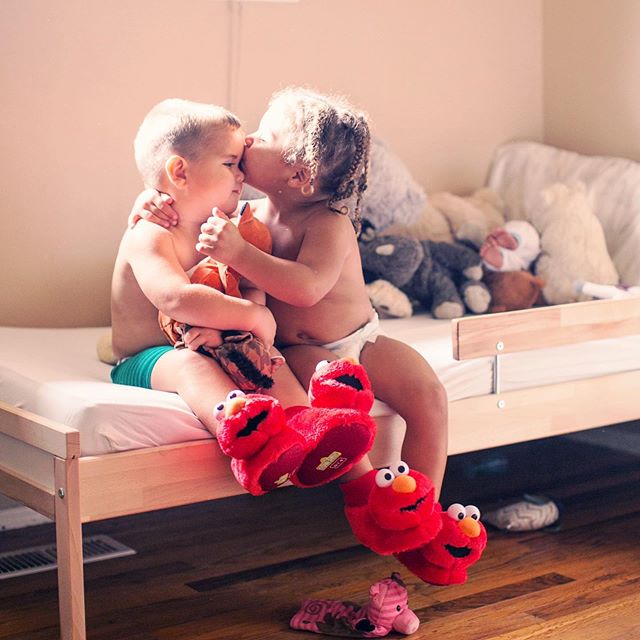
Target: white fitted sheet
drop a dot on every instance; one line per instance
(55, 373)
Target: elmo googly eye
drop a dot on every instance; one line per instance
(236, 393)
(322, 364)
(218, 411)
(457, 511)
(472, 512)
(400, 469)
(384, 478)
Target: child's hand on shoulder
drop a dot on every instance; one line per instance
(220, 238)
(154, 207)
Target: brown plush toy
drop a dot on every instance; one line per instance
(513, 290)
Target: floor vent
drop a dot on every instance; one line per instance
(36, 559)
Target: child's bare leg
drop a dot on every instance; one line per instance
(197, 379)
(202, 384)
(287, 388)
(402, 378)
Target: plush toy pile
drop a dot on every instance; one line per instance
(432, 254)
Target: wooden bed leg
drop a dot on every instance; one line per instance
(69, 546)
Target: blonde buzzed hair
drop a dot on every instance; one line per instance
(177, 127)
(331, 138)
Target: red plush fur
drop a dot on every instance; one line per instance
(387, 520)
(265, 451)
(309, 446)
(336, 440)
(447, 557)
(341, 383)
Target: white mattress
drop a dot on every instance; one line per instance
(55, 373)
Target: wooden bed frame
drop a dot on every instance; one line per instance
(73, 489)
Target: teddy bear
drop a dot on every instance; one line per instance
(572, 241)
(448, 217)
(442, 277)
(513, 290)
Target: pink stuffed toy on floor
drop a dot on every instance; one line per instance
(387, 610)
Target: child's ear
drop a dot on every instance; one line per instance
(176, 169)
(300, 178)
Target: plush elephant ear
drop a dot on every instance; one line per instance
(392, 258)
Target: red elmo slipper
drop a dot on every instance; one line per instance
(253, 431)
(341, 383)
(458, 545)
(309, 446)
(336, 439)
(392, 510)
(337, 428)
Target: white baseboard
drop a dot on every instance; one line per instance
(20, 517)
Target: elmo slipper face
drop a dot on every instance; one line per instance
(265, 452)
(392, 510)
(246, 423)
(458, 545)
(341, 383)
(402, 498)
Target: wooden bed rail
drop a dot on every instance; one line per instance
(39, 432)
(512, 331)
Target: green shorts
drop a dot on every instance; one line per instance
(136, 370)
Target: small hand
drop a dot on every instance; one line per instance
(198, 337)
(155, 207)
(220, 238)
(265, 330)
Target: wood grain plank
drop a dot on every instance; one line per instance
(477, 336)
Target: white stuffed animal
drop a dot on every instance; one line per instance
(572, 243)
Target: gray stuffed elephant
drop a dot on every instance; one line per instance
(442, 277)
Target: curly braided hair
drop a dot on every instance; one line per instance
(332, 139)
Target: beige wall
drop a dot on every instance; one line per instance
(445, 83)
(591, 72)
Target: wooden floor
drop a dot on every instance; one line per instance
(236, 569)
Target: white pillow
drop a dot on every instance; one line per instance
(521, 170)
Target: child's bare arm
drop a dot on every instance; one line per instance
(251, 292)
(302, 282)
(155, 207)
(163, 281)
